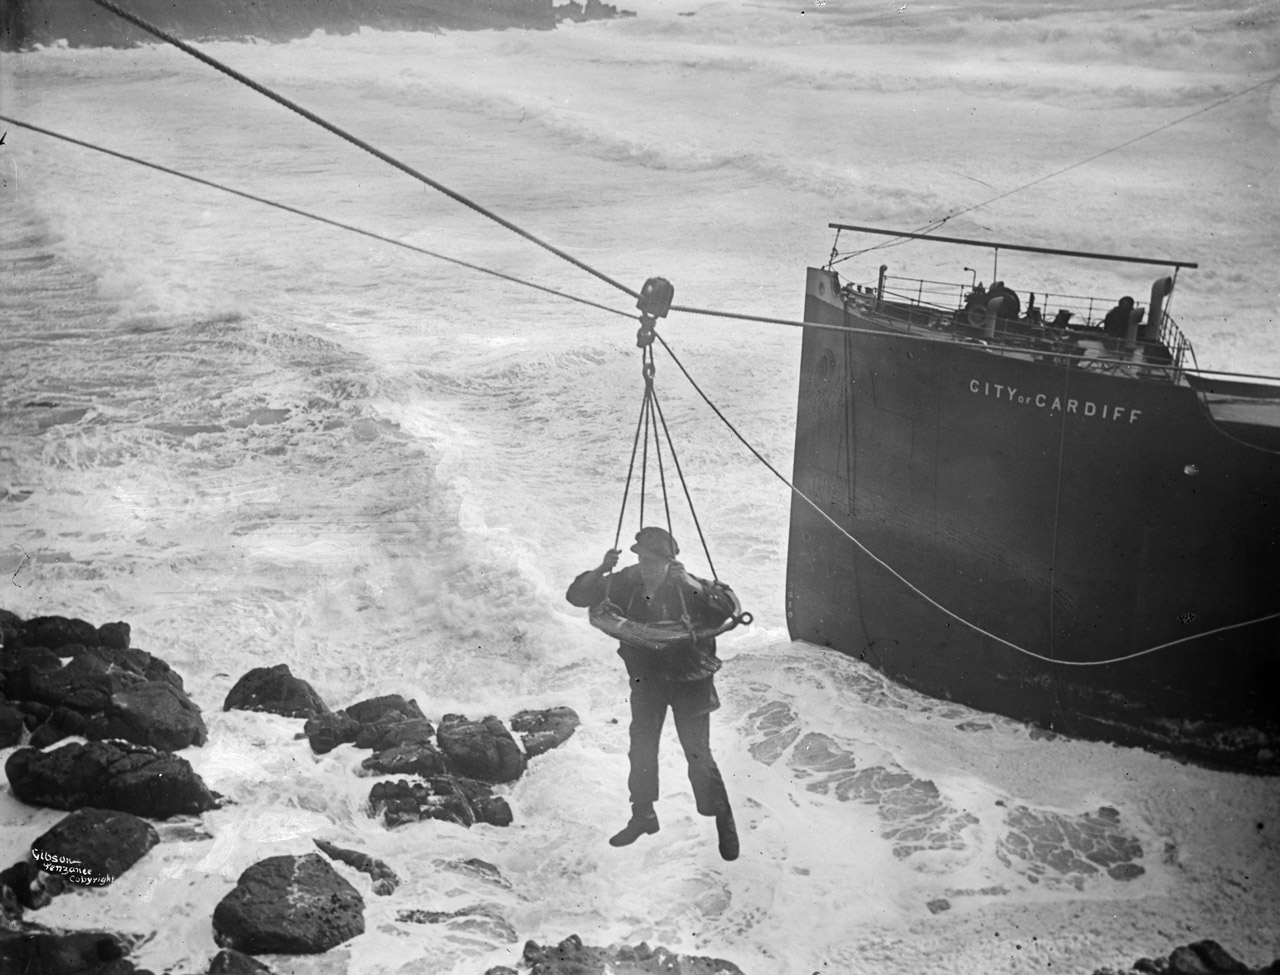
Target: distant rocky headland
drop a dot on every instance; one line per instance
(25, 24)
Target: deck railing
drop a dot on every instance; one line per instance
(932, 305)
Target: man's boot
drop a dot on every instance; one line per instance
(643, 821)
(728, 831)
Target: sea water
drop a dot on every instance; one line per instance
(262, 440)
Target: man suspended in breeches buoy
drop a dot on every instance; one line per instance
(680, 676)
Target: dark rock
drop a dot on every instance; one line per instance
(541, 731)
(109, 775)
(500, 970)
(1184, 961)
(138, 662)
(277, 691)
(61, 723)
(424, 760)
(40, 952)
(376, 708)
(35, 713)
(384, 878)
(480, 920)
(30, 887)
(231, 962)
(92, 845)
(481, 750)
(19, 667)
(1217, 959)
(445, 797)
(289, 905)
(392, 729)
(13, 630)
(10, 910)
(85, 684)
(938, 905)
(114, 635)
(60, 631)
(572, 957)
(11, 725)
(1150, 967)
(326, 732)
(152, 713)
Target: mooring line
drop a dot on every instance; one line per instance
(373, 235)
(916, 589)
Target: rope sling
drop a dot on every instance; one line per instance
(654, 301)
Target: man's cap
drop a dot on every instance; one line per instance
(655, 541)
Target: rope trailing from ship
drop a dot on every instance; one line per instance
(358, 142)
(916, 589)
(373, 235)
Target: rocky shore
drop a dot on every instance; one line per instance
(79, 23)
(97, 729)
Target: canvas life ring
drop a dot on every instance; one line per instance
(608, 618)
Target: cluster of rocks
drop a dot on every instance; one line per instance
(455, 765)
(1200, 958)
(61, 677)
(572, 957)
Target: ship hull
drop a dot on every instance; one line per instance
(1021, 524)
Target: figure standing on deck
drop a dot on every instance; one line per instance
(681, 678)
(1119, 318)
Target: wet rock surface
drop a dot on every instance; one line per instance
(94, 846)
(1199, 958)
(289, 905)
(109, 775)
(106, 689)
(541, 731)
(277, 691)
(572, 957)
(450, 798)
(384, 878)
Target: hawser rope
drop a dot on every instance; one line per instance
(230, 72)
(921, 593)
(317, 217)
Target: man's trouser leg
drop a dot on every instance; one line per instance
(648, 710)
(693, 725)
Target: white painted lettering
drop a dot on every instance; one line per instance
(1134, 414)
(1040, 400)
(1071, 405)
(1090, 408)
(1012, 390)
(973, 385)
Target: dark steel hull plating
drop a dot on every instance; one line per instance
(1078, 515)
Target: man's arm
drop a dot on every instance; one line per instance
(589, 588)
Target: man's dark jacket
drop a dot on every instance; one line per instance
(707, 604)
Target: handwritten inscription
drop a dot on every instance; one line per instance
(74, 870)
(1055, 404)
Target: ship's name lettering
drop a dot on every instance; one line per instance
(1054, 403)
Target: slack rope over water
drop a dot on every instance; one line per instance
(641, 303)
(351, 228)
